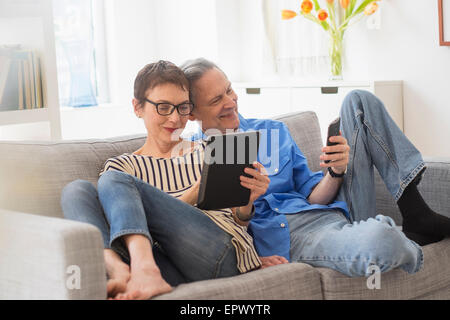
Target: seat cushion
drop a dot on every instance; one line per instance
(431, 282)
(289, 281)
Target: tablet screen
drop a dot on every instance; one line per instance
(226, 157)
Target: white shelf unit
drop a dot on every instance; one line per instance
(265, 100)
(30, 23)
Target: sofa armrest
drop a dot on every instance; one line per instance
(434, 187)
(50, 258)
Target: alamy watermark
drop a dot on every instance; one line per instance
(268, 150)
(73, 281)
(374, 280)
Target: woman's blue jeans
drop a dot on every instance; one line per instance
(187, 245)
(327, 238)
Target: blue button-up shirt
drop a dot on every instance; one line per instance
(291, 182)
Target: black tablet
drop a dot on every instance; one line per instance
(226, 157)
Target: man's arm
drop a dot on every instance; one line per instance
(327, 189)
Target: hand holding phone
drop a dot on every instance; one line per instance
(333, 130)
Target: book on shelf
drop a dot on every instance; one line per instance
(20, 79)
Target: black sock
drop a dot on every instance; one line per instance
(420, 223)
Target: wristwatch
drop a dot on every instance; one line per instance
(238, 213)
(334, 174)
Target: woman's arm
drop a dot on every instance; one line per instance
(191, 195)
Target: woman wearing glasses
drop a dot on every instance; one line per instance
(144, 204)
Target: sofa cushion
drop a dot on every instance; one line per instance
(431, 282)
(32, 174)
(434, 188)
(305, 130)
(291, 281)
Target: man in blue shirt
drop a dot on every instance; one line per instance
(327, 220)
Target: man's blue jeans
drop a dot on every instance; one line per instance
(326, 238)
(187, 245)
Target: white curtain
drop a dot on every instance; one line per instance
(296, 48)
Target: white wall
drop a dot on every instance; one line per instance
(230, 32)
(406, 47)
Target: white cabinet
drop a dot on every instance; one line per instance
(265, 100)
(30, 24)
(262, 102)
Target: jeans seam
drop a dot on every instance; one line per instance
(408, 180)
(326, 258)
(220, 260)
(131, 231)
(350, 171)
(382, 144)
(139, 231)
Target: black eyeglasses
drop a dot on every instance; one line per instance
(165, 109)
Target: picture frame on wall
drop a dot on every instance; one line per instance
(444, 22)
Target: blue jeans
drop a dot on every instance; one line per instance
(326, 238)
(187, 245)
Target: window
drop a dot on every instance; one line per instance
(80, 52)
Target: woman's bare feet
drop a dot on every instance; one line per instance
(118, 273)
(116, 286)
(145, 282)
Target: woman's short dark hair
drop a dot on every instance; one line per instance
(155, 74)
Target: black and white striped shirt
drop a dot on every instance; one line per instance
(175, 176)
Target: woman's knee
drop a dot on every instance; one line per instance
(77, 189)
(77, 186)
(74, 194)
(110, 177)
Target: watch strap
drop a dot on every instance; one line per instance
(334, 174)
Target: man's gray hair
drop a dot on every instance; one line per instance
(194, 69)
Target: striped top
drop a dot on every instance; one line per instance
(175, 176)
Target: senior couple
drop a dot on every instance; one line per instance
(156, 238)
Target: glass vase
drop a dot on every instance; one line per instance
(335, 52)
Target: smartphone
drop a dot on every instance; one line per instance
(333, 130)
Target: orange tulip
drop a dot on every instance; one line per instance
(370, 8)
(344, 3)
(306, 6)
(330, 1)
(322, 14)
(287, 14)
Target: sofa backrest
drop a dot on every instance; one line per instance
(33, 173)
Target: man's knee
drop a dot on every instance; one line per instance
(357, 98)
(384, 241)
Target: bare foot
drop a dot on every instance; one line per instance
(116, 286)
(144, 284)
(118, 273)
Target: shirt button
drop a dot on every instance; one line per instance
(276, 209)
(282, 225)
(276, 169)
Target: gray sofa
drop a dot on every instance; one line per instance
(38, 249)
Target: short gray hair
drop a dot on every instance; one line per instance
(194, 69)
